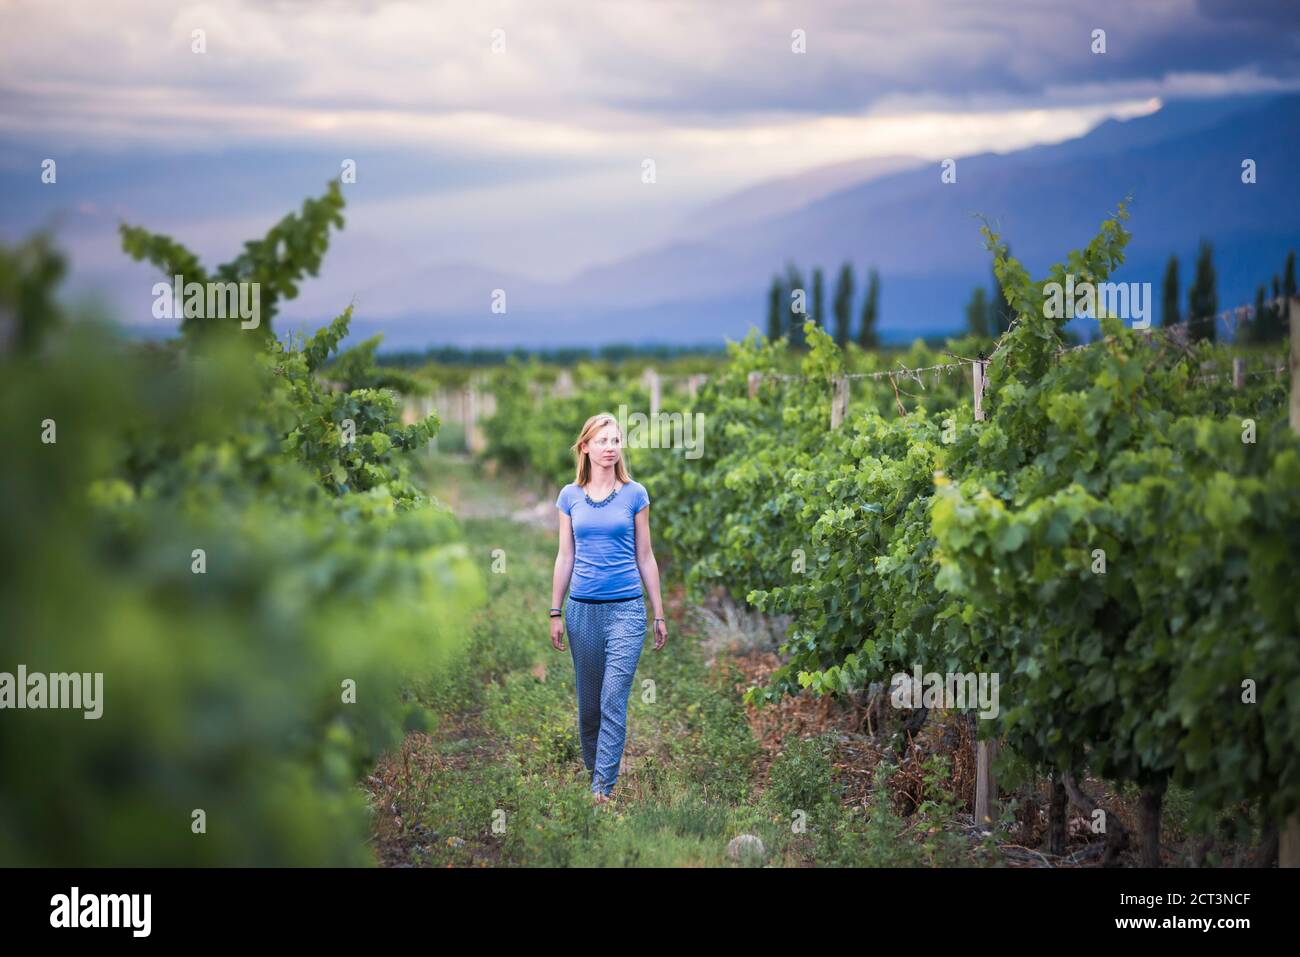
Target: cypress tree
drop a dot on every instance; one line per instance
(1203, 297)
(794, 320)
(1169, 303)
(818, 314)
(774, 310)
(1259, 329)
(842, 305)
(867, 337)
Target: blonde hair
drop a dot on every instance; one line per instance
(582, 461)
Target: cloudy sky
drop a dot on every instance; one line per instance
(528, 157)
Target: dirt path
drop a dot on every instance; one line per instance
(497, 780)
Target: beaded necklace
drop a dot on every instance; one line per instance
(603, 502)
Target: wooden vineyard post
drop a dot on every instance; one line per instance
(839, 400)
(438, 403)
(986, 785)
(408, 412)
(980, 367)
(1288, 851)
(473, 439)
(1288, 854)
(456, 399)
(753, 381)
(1238, 372)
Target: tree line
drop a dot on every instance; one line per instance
(789, 304)
(1268, 322)
(989, 316)
(558, 355)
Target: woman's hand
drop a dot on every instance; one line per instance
(661, 633)
(557, 633)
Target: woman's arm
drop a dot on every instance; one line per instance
(649, 568)
(563, 562)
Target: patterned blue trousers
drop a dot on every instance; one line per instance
(606, 641)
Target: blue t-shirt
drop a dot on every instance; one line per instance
(604, 542)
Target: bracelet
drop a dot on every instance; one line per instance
(556, 614)
(661, 619)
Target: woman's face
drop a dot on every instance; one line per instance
(605, 446)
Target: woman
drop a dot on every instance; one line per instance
(604, 555)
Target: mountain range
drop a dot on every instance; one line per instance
(1182, 166)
